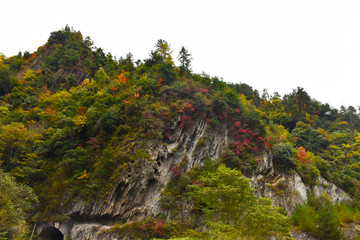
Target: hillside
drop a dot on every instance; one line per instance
(105, 148)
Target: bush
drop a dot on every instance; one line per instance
(319, 216)
(323, 166)
(305, 217)
(284, 156)
(310, 174)
(328, 223)
(167, 73)
(347, 213)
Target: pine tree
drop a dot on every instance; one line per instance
(185, 60)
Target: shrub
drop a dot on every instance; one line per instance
(305, 217)
(319, 216)
(328, 223)
(309, 173)
(284, 156)
(347, 213)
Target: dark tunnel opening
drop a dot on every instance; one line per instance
(51, 233)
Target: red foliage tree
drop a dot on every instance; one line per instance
(302, 155)
(186, 122)
(245, 139)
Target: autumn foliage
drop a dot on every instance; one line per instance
(121, 77)
(245, 140)
(302, 155)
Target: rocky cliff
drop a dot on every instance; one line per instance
(137, 193)
(287, 189)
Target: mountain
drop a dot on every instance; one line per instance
(126, 149)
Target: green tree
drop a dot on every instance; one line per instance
(298, 104)
(225, 197)
(284, 156)
(15, 202)
(185, 60)
(7, 80)
(310, 139)
(127, 63)
(101, 77)
(328, 222)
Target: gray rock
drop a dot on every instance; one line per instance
(287, 189)
(136, 195)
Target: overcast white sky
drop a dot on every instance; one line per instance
(272, 44)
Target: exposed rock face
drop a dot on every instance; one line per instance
(303, 236)
(288, 189)
(137, 193)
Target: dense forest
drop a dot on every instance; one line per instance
(73, 118)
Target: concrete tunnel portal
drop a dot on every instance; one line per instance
(51, 233)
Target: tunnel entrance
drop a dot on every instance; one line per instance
(51, 233)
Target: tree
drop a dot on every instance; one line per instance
(298, 104)
(163, 49)
(185, 60)
(328, 222)
(284, 156)
(225, 197)
(15, 139)
(15, 201)
(2, 58)
(310, 139)
(7, 80)
(101, 77)
(127, 63)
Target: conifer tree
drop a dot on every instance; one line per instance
(185, 60)
(163, 49)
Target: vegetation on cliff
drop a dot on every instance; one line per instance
(73, 119)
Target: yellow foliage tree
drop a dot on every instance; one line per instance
(15, 139)
(80, 120)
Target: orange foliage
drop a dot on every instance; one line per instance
(40, 49)
(121, 77)
(114, 88)
(302, 155)
(159, 83)
(81, 110)
(50, 111)
(46, 90)
(136, 95)
(84, 175)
